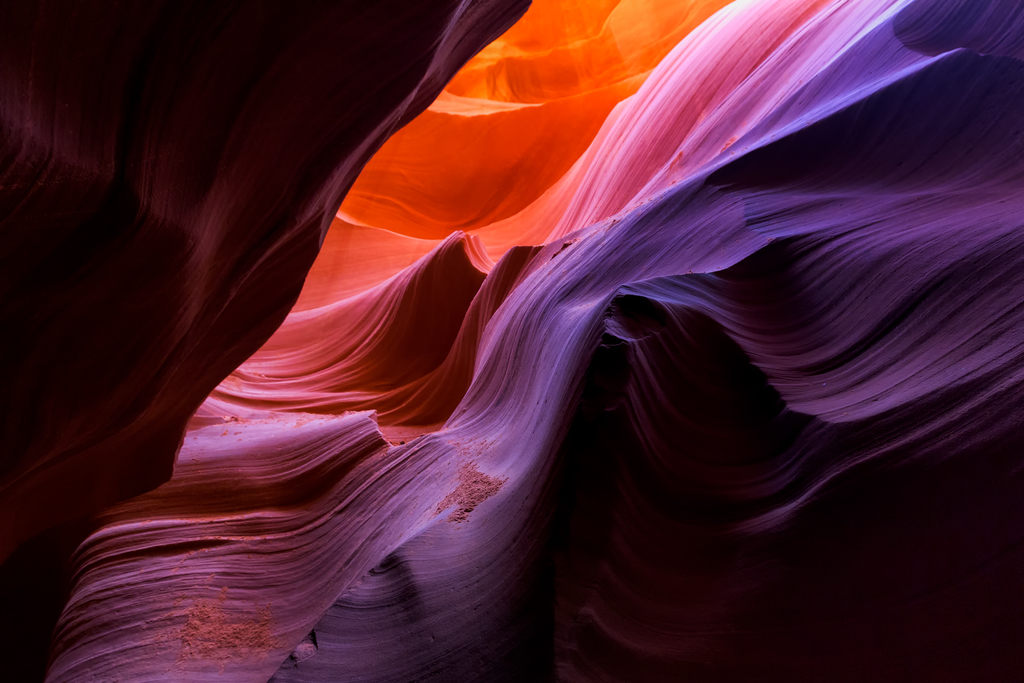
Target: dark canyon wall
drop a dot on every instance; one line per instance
(167, 172)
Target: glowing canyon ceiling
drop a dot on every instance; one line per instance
(474, 340)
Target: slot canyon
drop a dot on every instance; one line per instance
(619, 341)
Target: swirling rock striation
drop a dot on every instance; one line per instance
(758, 406)
(179, 245)
(167, 173)
(751, 410)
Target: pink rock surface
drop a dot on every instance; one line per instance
(221, 572)
(751, 412)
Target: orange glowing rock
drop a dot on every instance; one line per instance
(518, 116)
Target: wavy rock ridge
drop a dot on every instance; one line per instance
(722, 385)
(167, 172)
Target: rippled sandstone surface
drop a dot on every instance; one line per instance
(672, 341)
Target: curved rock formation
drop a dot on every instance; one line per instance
(167, 172)
(519, 115)
(731, 394)
(747, 483)
(346, 355)
(185, 230)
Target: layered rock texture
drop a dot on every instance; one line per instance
(167, 173)
(668, 340)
